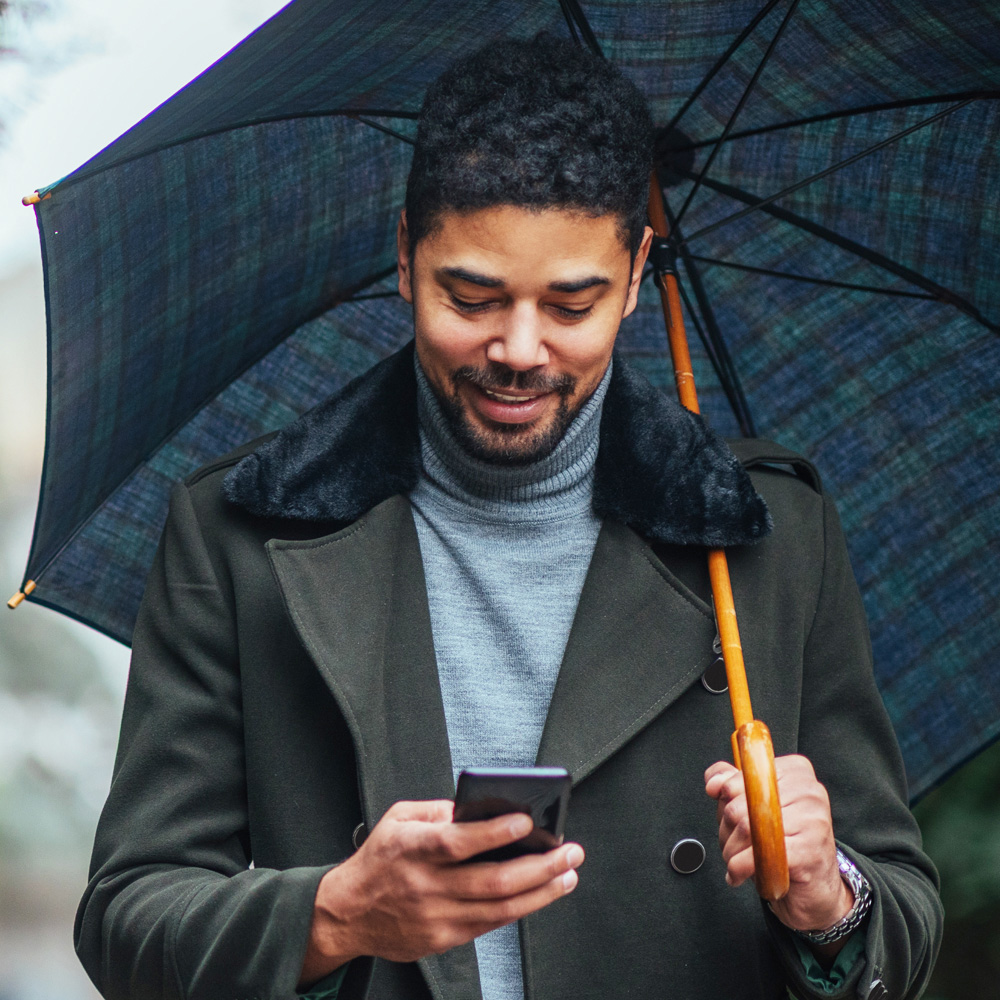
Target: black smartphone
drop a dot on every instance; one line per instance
(541, 792)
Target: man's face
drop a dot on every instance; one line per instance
(515, 313)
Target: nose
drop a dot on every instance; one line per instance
(519, 344)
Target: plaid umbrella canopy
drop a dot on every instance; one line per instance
(227, 264)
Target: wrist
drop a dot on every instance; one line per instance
(819, 903)
(859, 890)
(333, 940)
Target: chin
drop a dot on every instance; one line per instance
(509, 444)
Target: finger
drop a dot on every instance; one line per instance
(808, 814)
(740, 867)
(793, 763)
(456, 842)
(487, 880)
(735, 824)
(716, 775)
(725, 785)
(489, 915)
(794, 772)
(425, 811)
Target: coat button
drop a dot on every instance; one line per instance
(687, 856)
(359, 835)
(714, 678)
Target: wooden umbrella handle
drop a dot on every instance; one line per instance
(753, 753)
(752, 749)
(754, 756)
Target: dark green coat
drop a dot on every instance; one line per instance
(283, 689)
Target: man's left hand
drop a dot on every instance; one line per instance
(817, 895)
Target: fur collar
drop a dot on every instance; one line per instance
(659, 468)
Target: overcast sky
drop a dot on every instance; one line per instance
(87, 70)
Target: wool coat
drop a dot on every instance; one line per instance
(283, 689)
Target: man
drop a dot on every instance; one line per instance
(489, 551)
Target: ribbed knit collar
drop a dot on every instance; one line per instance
(563, 478)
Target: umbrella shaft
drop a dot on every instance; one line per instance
(729, 636)
(670, 296)
(718, 566)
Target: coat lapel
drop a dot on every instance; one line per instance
(371, 641)
(638, 641)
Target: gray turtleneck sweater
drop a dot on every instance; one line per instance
(505, 550)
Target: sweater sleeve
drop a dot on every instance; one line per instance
(846, 733)
(173, 908)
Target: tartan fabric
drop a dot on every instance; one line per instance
(197, 271)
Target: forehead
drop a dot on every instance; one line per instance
(514, 240)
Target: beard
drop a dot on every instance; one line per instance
(509, 444)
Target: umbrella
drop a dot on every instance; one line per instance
(830, 171)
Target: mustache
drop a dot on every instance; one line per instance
(497, 377)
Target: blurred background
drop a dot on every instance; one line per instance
(73, 76)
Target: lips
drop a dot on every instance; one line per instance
(507, 407)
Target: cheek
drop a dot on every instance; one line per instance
(584, 356)
(444, 344)
(452, 339)
(448, 346)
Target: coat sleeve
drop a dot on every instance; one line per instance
(172, 909)
(846, 733)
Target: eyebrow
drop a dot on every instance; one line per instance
(579, 285)
(484, 280)
(472, 277)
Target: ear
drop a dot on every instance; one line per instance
(640, 262)
(403, 258)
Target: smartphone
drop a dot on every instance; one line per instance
(541, 792)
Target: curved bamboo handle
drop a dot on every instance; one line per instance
(752, 749)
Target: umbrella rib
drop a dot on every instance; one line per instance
(741, 409)
(384, 128)
(373, 295)
(719, 63)
(728, 375)
(864, 109)
(84, 174)
(378, 112)
(569, 20)
(740, 104)
(709, 348)
(939, 292)
(827, 282)
(798, 185)
(573, 13)
(735, 399)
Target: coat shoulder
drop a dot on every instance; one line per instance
(221, 519)
(789, 483)
(760, 454)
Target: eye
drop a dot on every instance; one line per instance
(573, 313)
(469, 307)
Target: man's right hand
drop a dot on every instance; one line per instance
(406, 893)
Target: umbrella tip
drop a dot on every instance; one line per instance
(34, 198)
(21, 595)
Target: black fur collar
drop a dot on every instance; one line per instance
(659, 468)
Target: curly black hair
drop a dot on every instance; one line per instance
(540, 123)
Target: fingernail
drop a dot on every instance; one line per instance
(569, 880)
(729, 879)
(520, 825)
(574, 857)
